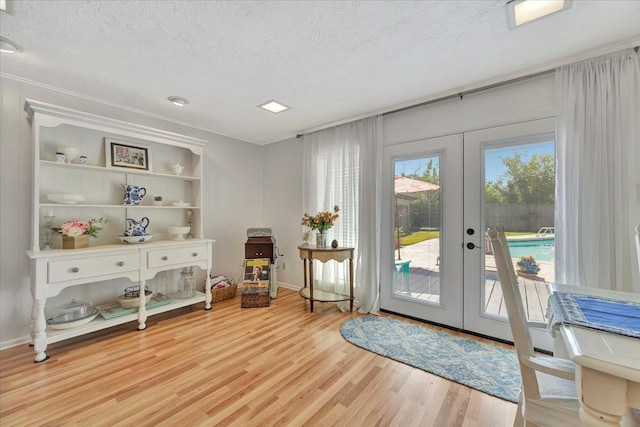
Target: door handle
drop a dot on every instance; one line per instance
(472, 245)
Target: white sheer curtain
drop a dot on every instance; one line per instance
(342, 166)
(598, 179)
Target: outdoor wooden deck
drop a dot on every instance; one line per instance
(425, 284)
(424, 280)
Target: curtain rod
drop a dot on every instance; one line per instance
(470, 91)
(462, 94)
(452, 96)
(480, 89)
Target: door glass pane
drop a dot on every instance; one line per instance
(417, 229)
(519, 194)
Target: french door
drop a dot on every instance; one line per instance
(450, 277)
(436, 294)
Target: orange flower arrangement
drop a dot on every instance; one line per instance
(322, 221)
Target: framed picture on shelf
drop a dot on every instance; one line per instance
(124, 155)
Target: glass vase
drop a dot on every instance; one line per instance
(187, 283)
(321, 239)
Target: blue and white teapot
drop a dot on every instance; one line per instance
(133, 194)
(136, 228)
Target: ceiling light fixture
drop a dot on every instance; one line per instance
(9, 46)
(178, 100)
(520, 12)
(274, 106)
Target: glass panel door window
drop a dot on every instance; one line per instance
(417, 228)
(520, 195)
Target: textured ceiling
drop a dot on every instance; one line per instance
(328, 60)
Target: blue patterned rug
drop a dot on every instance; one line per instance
(490, 369)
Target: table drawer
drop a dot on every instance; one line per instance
(176, 256)
(93, 266)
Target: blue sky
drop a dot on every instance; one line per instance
(493, 159)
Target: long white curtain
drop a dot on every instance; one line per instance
(342, 166)
(598, 180)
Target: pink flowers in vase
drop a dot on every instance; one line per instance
(78, 228)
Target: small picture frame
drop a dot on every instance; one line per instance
(125, 155)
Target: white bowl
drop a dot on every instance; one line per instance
(134, 302)
(136, 239)
(179, 232)
(177, 168)
(181, 204)
(67, 199)
(70, 153)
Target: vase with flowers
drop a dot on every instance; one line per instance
(322, 221)
(75, 234)
(527, 265)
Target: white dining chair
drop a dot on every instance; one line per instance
(638, 244)
(548, 393)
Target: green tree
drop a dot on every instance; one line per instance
(529, 183)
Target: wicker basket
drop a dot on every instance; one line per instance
(223, 294)
(255, 296)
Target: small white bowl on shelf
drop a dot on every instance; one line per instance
(178, 232)
(70, 153)
(136, 239)
(134, 302)
(177, 169)
(66, 199)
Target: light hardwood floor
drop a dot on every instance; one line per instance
(278, 365)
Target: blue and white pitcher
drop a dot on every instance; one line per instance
(136, 228)
(133, 194)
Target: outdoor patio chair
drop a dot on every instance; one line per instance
(548, 393)
(402, 272)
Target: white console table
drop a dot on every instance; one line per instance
(54, 270)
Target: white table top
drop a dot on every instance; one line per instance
(614, 354)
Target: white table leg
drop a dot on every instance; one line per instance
(603, 400)
(208, 297)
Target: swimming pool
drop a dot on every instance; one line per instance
(541, 248)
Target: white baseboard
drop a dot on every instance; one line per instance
(289, 286)
(4, 345)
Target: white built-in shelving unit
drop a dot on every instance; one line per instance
(101, 184)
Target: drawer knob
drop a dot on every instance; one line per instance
(120, 263)
(164, 258)
(75, 269)
(194, 254)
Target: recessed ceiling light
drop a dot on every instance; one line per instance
(274, 106)
(178, 100)
(522, 11)
(9, 46)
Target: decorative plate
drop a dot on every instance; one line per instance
(66, 199)
(53, 324)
